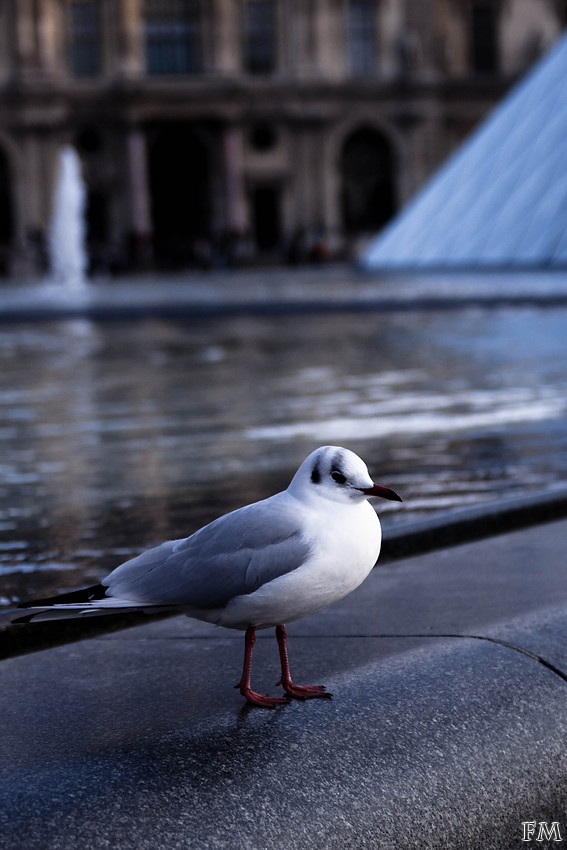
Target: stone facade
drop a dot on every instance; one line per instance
(242, 130)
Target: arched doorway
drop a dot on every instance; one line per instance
(179, 174)
(6, 218)
(367, 173)
(266, 224)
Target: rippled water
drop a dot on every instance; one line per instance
(116, 435)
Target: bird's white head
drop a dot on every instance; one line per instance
(337, 474)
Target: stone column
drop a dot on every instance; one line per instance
(26, 36)
(131, 52)
(224, 27)
(51, 38)
(236, 218)
(140, 215)
(236, 215)
(329, 39)
(30, 189)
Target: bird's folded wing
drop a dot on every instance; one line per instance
(234, 555)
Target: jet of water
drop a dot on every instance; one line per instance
(67, 249)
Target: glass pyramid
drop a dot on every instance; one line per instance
(501, 199)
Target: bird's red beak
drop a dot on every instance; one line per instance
(382, 492)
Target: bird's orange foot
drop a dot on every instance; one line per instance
(261, 700)
(305, 691)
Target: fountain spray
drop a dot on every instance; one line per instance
(67, 248)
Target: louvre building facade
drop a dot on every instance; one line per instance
(239, 131)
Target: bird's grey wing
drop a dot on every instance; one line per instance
(231, 556)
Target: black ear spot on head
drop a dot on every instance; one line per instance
(316, 474)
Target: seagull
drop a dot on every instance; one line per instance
(258, 567)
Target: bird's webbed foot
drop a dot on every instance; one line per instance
(260, 700)
(304, 691)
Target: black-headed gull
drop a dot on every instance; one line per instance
(262, 565)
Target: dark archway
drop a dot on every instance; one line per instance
(6, 216)
(179, 173)
(367, 172)
(102, 253)
(266, 212)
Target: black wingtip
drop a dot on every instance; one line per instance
(85, 594)
(22, 620)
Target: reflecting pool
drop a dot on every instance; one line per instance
(118, 434)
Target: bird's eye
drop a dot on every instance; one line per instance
(338, 477)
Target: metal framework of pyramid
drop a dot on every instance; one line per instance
(501, 199)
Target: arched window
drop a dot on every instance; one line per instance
(367, 170)
(173, 36)
(84, 38)
(258, 36)
(361, 36)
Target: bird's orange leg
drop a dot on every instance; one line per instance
(261, 700)
(296, 691)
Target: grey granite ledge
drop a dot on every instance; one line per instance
(445, 732)
(473, 523)
(139, 742)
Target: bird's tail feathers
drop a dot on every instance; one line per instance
(87, 602)
(85, 594)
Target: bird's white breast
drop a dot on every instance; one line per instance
(345, 544)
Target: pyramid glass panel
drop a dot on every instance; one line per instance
(501, 199)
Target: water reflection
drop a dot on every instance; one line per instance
(116, 435)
